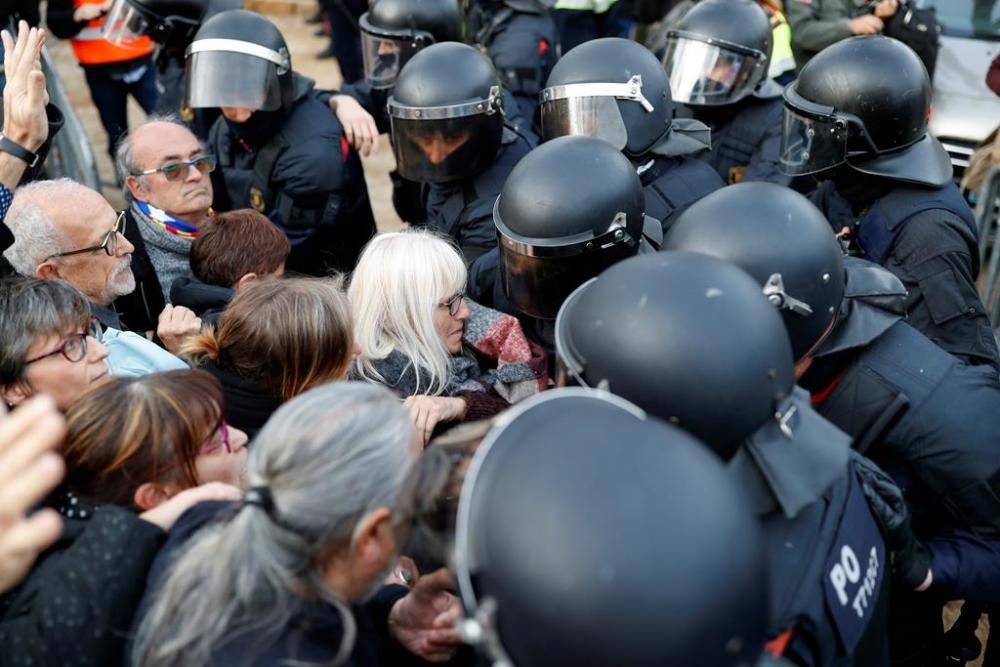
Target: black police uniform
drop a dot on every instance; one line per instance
(672, 183)
(929, 239)
(305, 178)
(744, 111)
(521, 39)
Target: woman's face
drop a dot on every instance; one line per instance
(64, 367)
(223, 458)
(449, 320)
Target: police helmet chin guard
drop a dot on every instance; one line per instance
(446, 114)
(783, 241)
(610, 88)
(719, 53)
(864, 102)
(569, 209)
(168, 22)
(590, 580)
(238, 59)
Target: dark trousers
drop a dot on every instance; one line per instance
(345, 37)
(110, 95)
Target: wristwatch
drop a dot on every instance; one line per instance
(18, 151)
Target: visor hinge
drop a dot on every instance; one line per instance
(481, 631)
(784, 420)
(635, 93)
(774, 290)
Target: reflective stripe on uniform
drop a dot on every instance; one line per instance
(90, 47)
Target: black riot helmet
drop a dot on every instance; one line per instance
(864, 101)
(569, 209)
(591, 535)
(446, 114)
(610, 88)
(168, 22)
(238, 59)
(687, 338)
(392, 31)
(778, 237)
(719, 53)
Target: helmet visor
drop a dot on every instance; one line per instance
(446, 149)
(810, 145)
(587, 116)
(216, 79)
(704, 74)
(384, 54)
(124, 24)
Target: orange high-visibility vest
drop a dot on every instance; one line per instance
(92, 49)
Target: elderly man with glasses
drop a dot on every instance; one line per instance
(166, 180)
(64, 230)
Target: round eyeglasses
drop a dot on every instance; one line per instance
(74, 349)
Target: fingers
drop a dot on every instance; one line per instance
(32, 535)
(25, 435)
(31, 486)
(434, 582)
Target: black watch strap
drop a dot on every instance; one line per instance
(18, 151)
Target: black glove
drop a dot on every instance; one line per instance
(910, 558)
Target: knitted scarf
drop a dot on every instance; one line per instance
(521, 365)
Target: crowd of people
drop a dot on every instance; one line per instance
(679, 359)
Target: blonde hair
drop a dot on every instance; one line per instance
(399, 281)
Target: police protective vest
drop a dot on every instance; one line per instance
(905, 399)
(746, 140)
(671, 184)
(90, 47)
(782, 57)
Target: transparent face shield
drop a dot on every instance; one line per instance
(711, 73)
(384, 53)
(124, 24)
(232, 73)
(814, 138)
(590, 109)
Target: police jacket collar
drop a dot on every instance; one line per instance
(686, 136)
(874, 300)
(791, 461)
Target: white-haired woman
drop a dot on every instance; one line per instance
(451, 359)
(293, 574)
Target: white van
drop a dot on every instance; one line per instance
(965, 111)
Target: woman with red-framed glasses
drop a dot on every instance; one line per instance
(137, 442)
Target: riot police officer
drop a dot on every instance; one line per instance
(928, 419)
(717, 59)
(598, 536)
(279, 150)
(616, 90)
(522, 40)
(446, 112)
(857, 118)
(692, 339)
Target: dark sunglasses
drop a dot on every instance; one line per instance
(74, 349)
(108, 245)
(176, 171)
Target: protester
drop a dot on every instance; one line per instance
(275, 340)
(294, 572)
(169, 194)
(419, 336)
(816, 24)
(172, 437)
(231, 250)
(66, 231)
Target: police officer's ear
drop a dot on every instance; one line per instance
(136, 188)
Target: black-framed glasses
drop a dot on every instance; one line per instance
(176, 171)
(108, 245)
(454, 303)
(74, 349)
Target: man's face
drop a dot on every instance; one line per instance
(158, 144)
(437, 146)
(85, 221)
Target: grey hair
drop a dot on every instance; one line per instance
(31, 309)
(329, 457)
(125, 162)
(35, 234)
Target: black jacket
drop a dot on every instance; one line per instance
(304, 176)
(248, 404)
(77, 603)
(207, 301)
(140, 310)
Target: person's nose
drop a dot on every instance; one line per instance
(193, 174)
(464, 312)
(237, 439)
(437, 152)
(96, 350)
(125, 246)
